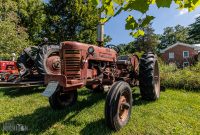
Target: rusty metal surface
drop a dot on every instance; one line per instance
(21, 84)
(80, 68)
(62, 79)
(53, 64)
(101, 53)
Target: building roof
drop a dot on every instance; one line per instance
(197, 47)
(179, 43)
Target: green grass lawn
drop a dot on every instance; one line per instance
(176, 112)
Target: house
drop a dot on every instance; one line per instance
(181, 54)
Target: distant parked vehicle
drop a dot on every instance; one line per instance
(36, 61)
(31, 66)
(8, 70)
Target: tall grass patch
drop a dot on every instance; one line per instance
(187, 78)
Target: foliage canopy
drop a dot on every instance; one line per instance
(194, 33)
(114, 7)
(71, 20)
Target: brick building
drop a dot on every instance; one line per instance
(180, 53)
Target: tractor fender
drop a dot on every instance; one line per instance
(51, 88)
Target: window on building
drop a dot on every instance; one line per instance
(186, 64)
(185, 54)
(171, 55)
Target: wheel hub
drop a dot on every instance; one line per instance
(123, 108)
(53, 64)
(56, 64)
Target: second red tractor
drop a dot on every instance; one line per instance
(8, 70)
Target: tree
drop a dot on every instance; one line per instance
(148, 42)
(112, 8)
(194, 33)
(32, 17)
(107, 39)
(181, 33)
(168, 37)
(171, 35)
(13, 37)
(71, 20)
(127, 48)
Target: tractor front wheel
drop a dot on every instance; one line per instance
(118, 105)
(61, 100)
(149, 77)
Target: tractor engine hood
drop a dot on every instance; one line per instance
(100, 53)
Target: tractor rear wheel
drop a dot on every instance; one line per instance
(48, 60)
(118, 105)
(61, 100)
(149, 78)
(24, 64)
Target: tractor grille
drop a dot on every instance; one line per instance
(72, 64)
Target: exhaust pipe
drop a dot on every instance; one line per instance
(100, 32)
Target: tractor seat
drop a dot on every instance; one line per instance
(123, 60)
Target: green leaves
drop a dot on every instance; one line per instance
(189, 4)
(109, 8)
(147, 20)
(119, 2)
(103, 20)
(163, 3)
(95, 2)
(131, 23)
(139, 5)
(13, 38)
(138, 33)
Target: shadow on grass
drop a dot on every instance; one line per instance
(44, 117)
(96, 128)
(16, 92)
(99, 127)
(137, 100)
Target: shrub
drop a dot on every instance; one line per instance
(187, 78)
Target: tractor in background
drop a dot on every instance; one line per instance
(8, 71)
(36, 61)
(31, 66)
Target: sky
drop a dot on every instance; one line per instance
(164, 17)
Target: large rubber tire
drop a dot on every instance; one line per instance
(118, 105)
(24, 64)
(60, 100)
(149, 78)
(42, 63)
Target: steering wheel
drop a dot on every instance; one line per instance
(116, 48)
(46, 42)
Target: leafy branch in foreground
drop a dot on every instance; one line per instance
(112, 8)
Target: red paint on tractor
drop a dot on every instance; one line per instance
(80, 68)
(8, 68)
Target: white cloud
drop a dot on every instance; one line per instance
(183, 11)
(197, 15)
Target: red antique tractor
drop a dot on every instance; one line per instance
(100, 68)
(8, 70)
